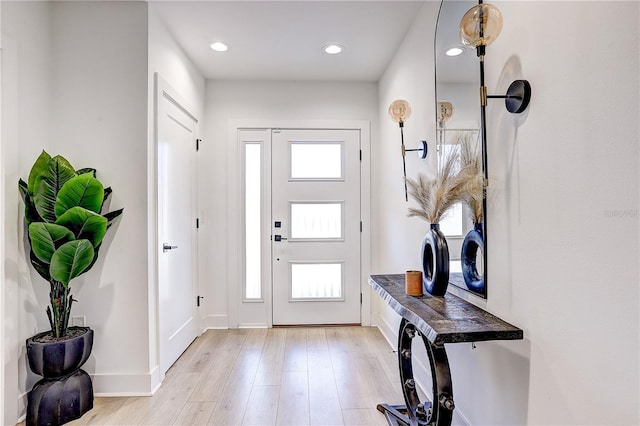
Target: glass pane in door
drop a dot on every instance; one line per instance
(317, 221)
(316, 281)
(252, 218)
(316, 161)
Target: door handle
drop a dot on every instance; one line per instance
(279, 238)
(166, 247)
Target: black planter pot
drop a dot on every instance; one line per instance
(473, 241)
(55, 359)
(59, 400)
(435, 262)
(66, 392)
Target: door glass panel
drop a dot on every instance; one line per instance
(316, 160)
(252, 217)
(317, 221)
(451, 222)
(316, 281)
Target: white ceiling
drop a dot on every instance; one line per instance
(283, 40)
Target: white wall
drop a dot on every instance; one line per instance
(260, 101)
(26, 118)
(167, 59)
(563, 229)
(99, 119)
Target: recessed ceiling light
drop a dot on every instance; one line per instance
(455, 51)
(332, 49)
(219, 46)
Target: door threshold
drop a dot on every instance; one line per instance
(315, 325)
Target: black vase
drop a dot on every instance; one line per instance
(435, 262)
(473, 241)
(66, 392)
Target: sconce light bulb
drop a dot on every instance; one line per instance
(481, 25)
(445, 111)
(400, 111)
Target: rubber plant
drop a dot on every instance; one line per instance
(66, 226)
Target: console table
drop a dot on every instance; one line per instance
(438, 320)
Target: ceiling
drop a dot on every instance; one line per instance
(283, 40)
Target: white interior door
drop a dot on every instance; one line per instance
(176, 144)
(316, 226)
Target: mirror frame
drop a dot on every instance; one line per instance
(483, 141)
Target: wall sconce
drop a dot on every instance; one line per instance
(400, 111)
(445, 112)
(479, 27)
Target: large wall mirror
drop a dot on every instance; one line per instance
(458, 118)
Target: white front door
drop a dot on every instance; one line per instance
(176, 144)
(316, 226)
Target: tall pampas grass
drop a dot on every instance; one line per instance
(459, 178)
(435, 196)
(471, 161)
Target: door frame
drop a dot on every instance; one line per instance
(162, 88)
(235, 204)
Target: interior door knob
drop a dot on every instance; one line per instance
(166, 247)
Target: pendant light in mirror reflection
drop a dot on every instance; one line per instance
(480, 27)
(400, 111)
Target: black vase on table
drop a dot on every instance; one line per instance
(435, 261)
(472, 248)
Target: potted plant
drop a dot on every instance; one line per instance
(66, 225)
(435, 196)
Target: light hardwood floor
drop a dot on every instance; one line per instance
(279, 376)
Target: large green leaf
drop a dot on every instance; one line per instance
(30, 212)
(40, 267)
(47, 184)
(107, 194)
(86, 170)
(84, 191)
(46, 238)
(84, 224)
(23, 187)
(37, 170)
(111, 216)
(70, 260)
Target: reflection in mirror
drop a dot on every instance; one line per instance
(458, 121)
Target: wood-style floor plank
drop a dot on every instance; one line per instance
(169, 400)
(270, 366)
(295, 351)
(195, 413)
(198, 356)
(103, 410)
(364, 417)
(293, 404)
(212, 382)
(262, 408)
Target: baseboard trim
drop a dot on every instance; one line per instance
(113, 385)
(215, 322)
(388, 332)
(253, 325)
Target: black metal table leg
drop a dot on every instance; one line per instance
(416, 413)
